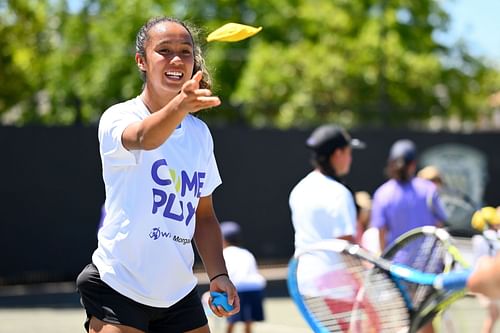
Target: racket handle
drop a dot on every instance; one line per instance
(452, 281)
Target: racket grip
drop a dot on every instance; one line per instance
(452, 281)
(220, 299)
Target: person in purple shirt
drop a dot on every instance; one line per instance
(404, 202)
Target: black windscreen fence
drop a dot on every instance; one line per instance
(52, 191)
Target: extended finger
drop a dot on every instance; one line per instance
(198, 76)
(193, 83)
(203, 92)
(208, 101)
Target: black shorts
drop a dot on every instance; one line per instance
(104, 303)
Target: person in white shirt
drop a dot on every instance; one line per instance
(244, 273)
(159, 173)
(322, 207)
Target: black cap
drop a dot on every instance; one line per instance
(326, 138)
(403, 149)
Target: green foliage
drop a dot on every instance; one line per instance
(356, 62)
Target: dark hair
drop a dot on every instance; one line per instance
(402, 158)
(322, 162)
(400, 170)
(199, 61)
(324, 141)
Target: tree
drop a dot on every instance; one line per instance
(357, 62)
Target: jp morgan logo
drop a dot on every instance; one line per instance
(156, 233)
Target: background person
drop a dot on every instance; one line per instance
(322, 207)
(402, 202)
(244, 273)
(459, 206)
(159, 172)
(431, 173)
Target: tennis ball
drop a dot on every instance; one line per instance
(484, 217)
(220, 299)
(232, 32)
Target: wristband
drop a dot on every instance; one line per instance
(218, 275)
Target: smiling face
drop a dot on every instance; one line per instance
(169, 59)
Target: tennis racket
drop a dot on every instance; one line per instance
(431, 250)
(339, 287)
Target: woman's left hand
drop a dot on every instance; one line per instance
(223, 284)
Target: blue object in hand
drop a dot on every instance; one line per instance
(220, 299)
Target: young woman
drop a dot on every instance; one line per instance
(322, 206)
(159, 172)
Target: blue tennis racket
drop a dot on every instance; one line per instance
(339, 287)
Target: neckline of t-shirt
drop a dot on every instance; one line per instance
(180, 128)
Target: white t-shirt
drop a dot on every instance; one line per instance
(242, 269)
(144, 245)
(322, 209)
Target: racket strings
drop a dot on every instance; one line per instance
(380, 305)
(357, 298)
(425, 253)
(334, 315)
(432, 254)
(333, 303)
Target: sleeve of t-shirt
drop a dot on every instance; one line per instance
(438, 208)
(212, 177)
(378, 219)
(111, 126)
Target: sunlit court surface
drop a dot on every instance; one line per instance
(54, 308)
(282, 316)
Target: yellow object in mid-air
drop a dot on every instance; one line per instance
(484, 217)
(232, 32)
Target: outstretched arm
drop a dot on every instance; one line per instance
(151, 132)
